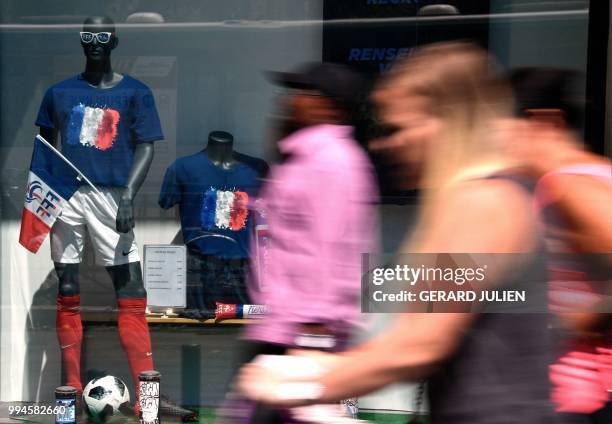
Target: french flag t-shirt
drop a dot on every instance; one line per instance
(216, 205)
(100, 127)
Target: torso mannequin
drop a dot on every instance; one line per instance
(215, 190)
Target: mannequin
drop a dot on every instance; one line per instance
(215, 190)
(106, 124)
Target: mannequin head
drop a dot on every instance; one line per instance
(220, 138)
(94, 49)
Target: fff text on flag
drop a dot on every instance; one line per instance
(51, 184)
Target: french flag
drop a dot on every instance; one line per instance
(225, 209)
(51, 184)
(93, 126)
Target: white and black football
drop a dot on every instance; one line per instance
(102, 397)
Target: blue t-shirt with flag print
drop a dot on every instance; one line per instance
(216, 205)
(100, 128)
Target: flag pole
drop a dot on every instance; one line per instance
(58, 153)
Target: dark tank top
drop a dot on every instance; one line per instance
(499, 373)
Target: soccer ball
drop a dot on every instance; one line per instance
(102, 397)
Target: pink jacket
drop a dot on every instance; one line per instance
(321, 212)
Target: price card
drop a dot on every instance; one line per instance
(165, 275)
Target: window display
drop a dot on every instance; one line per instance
(181, 219)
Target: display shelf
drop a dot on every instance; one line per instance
(111, 318)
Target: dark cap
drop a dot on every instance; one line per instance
(65, 392)
(332, 79)
(150, 375)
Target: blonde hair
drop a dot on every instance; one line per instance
(462, 86)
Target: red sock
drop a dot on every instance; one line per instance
(135, 338)
(70, 336)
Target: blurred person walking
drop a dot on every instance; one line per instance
(438, 107)
(574, 195)
(320, 208)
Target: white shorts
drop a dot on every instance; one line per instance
(87, 212)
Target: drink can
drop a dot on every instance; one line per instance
(65, 405)
(148, 397)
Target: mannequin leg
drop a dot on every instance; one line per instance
(133, 327)
(134, 331)
(68, 322)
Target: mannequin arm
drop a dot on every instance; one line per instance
(143, 156)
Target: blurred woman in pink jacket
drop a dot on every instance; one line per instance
(320, 207)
